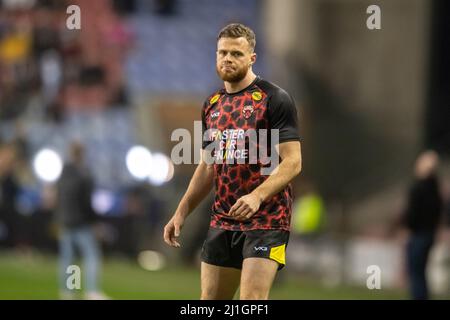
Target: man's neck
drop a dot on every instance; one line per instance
(232, 87)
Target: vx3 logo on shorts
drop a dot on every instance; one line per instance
(260, 248)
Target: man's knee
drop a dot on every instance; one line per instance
(254, 294)
(209, 293)
(252, 289)
(216, 293)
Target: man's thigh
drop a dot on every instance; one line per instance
(218, 283)
(264, 253)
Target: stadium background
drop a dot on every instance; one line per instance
(369, 101)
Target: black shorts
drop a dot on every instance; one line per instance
(227, 248)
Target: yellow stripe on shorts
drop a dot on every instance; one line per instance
(278, 254)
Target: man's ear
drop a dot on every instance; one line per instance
(253, 58)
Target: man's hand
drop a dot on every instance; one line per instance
(245, 207)
(172, 231)
(199, 187)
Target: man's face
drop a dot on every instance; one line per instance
(234, 58)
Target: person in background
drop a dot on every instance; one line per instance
(422, 218)
(9, 191)
(75, 217)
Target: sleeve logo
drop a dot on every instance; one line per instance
(214, 99)
(256, 96)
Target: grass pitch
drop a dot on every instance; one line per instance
(34, 276)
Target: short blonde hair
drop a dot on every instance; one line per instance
(237, 30)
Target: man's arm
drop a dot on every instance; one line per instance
(199, 187)
(289, 167)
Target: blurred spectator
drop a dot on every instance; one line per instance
(43, 229)
(45, 34)
(165, 7)
(141, 220)
(51, 75)
(125, 6)
(134, 225)
(76, 216)
(9, 190)
(15, 49)
(40, 58)
(422, 217)
(308, 215)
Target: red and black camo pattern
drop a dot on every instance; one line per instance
(233, 181)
